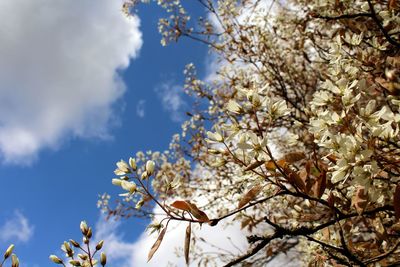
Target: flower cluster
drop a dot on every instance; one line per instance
(86, 256)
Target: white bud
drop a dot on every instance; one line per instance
(150, 167)
(128, 186)
(84, 227)
(9, 251)
(132, 163)
(116, 182)
(55, 259)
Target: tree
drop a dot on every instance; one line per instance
(296, 136)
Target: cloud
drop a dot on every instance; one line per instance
(16, 229)
(119, 252)
(59, 71)
(140, 108)
(219, 239)
(172, 99)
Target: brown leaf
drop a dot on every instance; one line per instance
(254, 165)
(295, 180)
(294, 157)
(320, 185)
(304, 177)
(249, 196)
(157, 244)
(197, 213)
(396, 201)
(332, 158)
(181, 205)
(392, 4)
(192, 208)
(309, 164)
(282, 163)
(187, 242)
(360, 200)
(245, 222)
(270, 165)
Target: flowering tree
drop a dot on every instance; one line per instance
(296, 135)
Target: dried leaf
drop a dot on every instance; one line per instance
(187, 242)
(254, 165)
(181, 205)
(332, 158)
(157, 244)
(192, 208)
(320, 185)
(245, 223)
(396, 201)
(282, 163)
(309, 164)
(295, 180)
(270, 165)
(197, 213)
(249, 196)
(304, 177)
(392, 4)
(360, 200)
(294, 157)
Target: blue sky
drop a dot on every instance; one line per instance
(80, 88)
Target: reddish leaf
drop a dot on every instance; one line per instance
(360, 200)
(304, 177)
(192, 208)
(249, 196)
(197, 213)
(187, 242)
(396, 201)
(181, 205)
(157, 244)
(270, 165)
(295, 180)
(254, 165)
(332, 158)
(294, 157)
(320, 185)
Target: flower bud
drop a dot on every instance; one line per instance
(139, 204)
(129, 186)
(89, 233)
(132, 163)
(74, 243)
(75, 263)
(82, 256)
(9, 251)
(55, 259)
(84, 227)
(145, 175)
(103, 259)
(150, 167)
(116, 182)
(14, 261)
(99, 245)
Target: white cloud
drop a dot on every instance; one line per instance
(218, 238)
(16, 229)
(59, 71)
(126, 254)
(140, 108)
(172, 98)
(119, 252)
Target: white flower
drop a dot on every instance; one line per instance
(122, 168)
(128, 186)
(150, 167)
